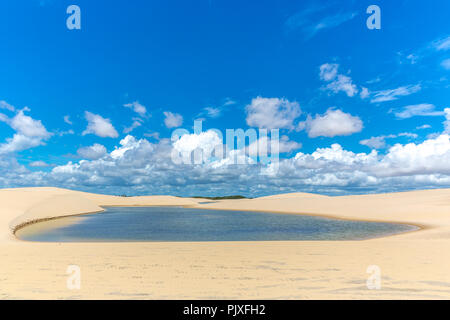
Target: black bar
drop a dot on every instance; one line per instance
(230, 309)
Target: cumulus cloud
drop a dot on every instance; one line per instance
(414, 165)
(99, 126)
(205, 143)
(394, 94)
(272, 113)
(332, 123)
(30, 133)
(172, 120)
(13, 174)
(423, 109)
(96, 151)
(140, 167)
(28, 126)
(134, 163)
(136, 107)
(429, 157)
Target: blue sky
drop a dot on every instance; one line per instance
(359, 110)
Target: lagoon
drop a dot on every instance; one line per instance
(121, 224)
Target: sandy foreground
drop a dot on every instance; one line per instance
(413, 265)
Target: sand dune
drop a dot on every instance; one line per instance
(296, 195)
(413, 265)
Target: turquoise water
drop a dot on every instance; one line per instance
(188, 224)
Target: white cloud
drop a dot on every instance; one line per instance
(374, 80)
(229, 102)
(67, 120)
(137, 107)
(38, 164)
(63, 133)
(337, 82)
(447, 120)
(408, 134)
(380, 141)
(429, 157)
(412, 58)
(13, 174)
(172, 120)
(136, 123)
(30, 133)
(333, 21)
(215, 112)
(138, 166)
(212, 112)
(394, 94)
(96, 151)
(365, 93)
(99, 126)
(287, 145)
(446, 64)
(28, 126)
(262, 146)
(310, 22)
(375, 142)
(328, 71)
(413, 165)
(154, 135)
(206, 141)
(442, 44)
(332, 123)
(423, 109)
(6, 105)
(272, 113)
(422, 127)
(343, 83)
(19, 142)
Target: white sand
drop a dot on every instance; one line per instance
(413, 265)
